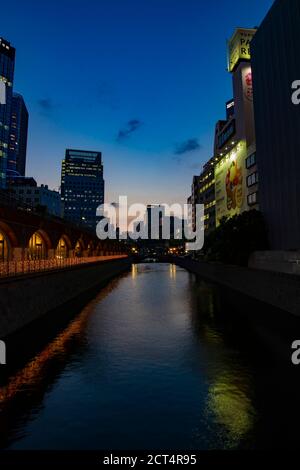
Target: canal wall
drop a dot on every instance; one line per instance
(27, 299)
(278, 290)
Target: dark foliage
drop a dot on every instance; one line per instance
(236, 238)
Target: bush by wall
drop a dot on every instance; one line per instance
(236, 238)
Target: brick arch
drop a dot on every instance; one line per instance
(81, 244)
(90, 247)
(43, 234)
(9, 233)
(67, 240)
(38, 251)
(63, 247)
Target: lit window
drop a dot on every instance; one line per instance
(252, 179)
(251, 160)
(252, 199)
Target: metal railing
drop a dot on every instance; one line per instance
(15, 268)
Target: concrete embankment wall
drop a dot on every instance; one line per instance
(26, 299)
(279, 261)
(278, 290)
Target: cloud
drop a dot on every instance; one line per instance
(132, 126)
(184, 150)
(46, 105)
(187, 146)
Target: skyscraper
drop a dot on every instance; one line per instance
(7, 66)
(18, 136)
(82, 186)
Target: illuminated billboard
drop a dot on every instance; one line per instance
(230, 183)
(239, 47)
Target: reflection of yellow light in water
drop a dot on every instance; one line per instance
(173, 271)
(231, 405)
(229, 396)
(32, 373)
(134, 271)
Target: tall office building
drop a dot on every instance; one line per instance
(195, 195)
(276, 65)
(228, 184)
(18, 137)
(236, 176)
(82, 186)
(7, 66)
(207, 195)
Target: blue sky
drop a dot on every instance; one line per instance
(139, 80)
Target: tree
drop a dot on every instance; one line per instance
(236, 238)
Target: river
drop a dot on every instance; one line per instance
(150, 363)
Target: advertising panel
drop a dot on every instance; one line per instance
(230, 181)
(239, 47)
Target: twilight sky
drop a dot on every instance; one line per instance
(143, 81)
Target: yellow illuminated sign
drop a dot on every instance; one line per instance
(230, 181)
(239, 47)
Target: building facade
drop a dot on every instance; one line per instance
(236, 176)
(28, 192)
(276, 65)
(195, 199)
(207, 196)
(18, 136)
(82, 186)
(7, 66)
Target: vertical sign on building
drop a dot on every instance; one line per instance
(2, 92)
(239, 47)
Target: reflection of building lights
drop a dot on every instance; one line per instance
(173, 271)
(134, 271)
(229, 399)
(33, 374)
(230, 403)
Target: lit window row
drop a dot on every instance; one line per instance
(207, 186)
(211, 204)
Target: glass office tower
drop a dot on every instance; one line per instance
(18, 137)
(7, 65)
(82, 186)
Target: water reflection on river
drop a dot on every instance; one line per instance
(145, 365)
